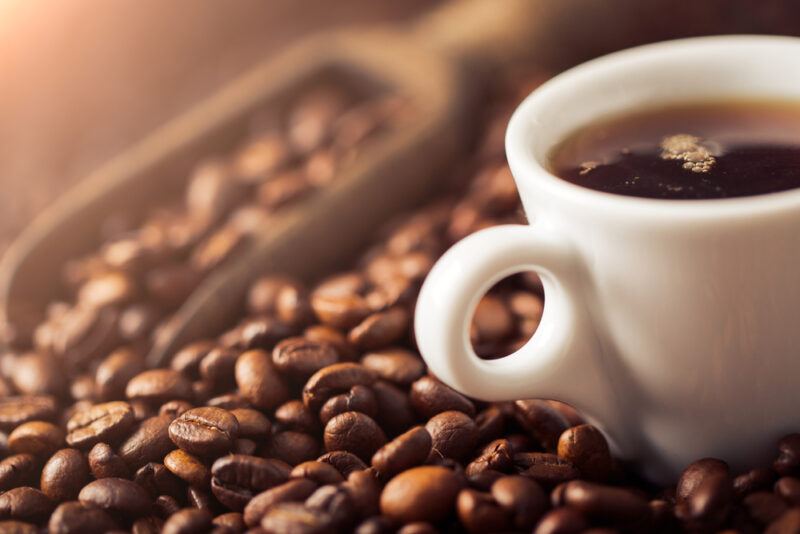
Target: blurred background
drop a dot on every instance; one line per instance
(82, 79)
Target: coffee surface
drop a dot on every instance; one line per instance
(699, 150)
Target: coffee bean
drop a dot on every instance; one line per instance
(166, 505)
(607, 502)
(116, 495)
(17, 527)
(236, 478)
(708, 505)
(394, 408)
(187, 360)
(137, 320)
(545, 468)
(292, 304)
(39, 438)
(231, 522)
(64, 475)
(114, 372)
(764, 507)
(38, 374)
(295, 517)
(354, 432)
(228, 401)
(297, 490)
(483, 480)
(244, 446)
(174, 408)
(496, 456)
(522, 498)
(301, 357)
(17, 410)
(217, 367)
(788, 461)
(375, 525)
(358, 399)
(694, 475)
(109, 289)
(75, 518)
(188, 521)
(788, 523)
(205, 431)
(200, 498)
(381, 329)
(425, 493)
(336, 503)
(293, 447)
(395, 365)
(105, 463)
(26, 504)
(418, 527)
(543, 422)
(262, 297)
(404, 452)
(149, 443)
(157, 480)
(561, 521)
(159, 386)
(364, 490)
(334, 379)
(344, 462)
(430, 397)
(586, 448)
(293, 415)
(753, 480)
(339, 311)
(147, 525)
(453, 434)
(252, 423)
(319, 472)
(478, 512)
(787, 487)
(255, 333)
(107, 422)
(259, 381)
(17, 470)
(187, 467)
(325, 334)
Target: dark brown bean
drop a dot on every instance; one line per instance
(106, 422)
(543, 422)
(293, 447)
(788, 461)
(114, 372)
(787, 487)
(11, 526)
(147, 525)
(394, 408)
(232, 522)
(709, 503)
(561, 521)
(492, 321)
(586, 448)
(297, 490)
(339, 311)
(607, 502)
(205, 431)
(325, 334)
(430, 397)
(376, 525)
(75, 518)
(296, 518)
(426, 493)
(159, 386)
(522, 498)
(166, 505)
(764, 507)
(395, 365)
(188, 521)
(262, 298)
(217, 367)
(418, 527)
(157, 480)
(478, 512)
(354, 432)
(200, 498)
(17, 410)
(380, 329)
(301, 357)
(174, 408)
(545, 468)
(453, 434)
(187, 360)
(259, 381)
(364, 490)
(358, 399)
(26, 504)
(496, 456)
(319, 472)
(116, 495)
(332, 380)
(39, 438)
(404, 452)
(252, 423)
(345, 462)
(788, 523)
(753, 480)
(38, 374)
(336, 503)
(236, 478)
(149, 443)
(64, 475)
(17, 470)
(695, 473)
(188, 468)
(105, 463)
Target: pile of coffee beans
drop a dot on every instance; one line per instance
(315, 414)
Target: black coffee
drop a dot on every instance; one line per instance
(689, 151)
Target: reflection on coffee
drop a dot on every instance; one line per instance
(689, 151)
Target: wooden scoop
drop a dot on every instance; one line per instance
(437, 66)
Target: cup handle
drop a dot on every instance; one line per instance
(561, 361)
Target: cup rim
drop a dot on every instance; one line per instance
(527, 167)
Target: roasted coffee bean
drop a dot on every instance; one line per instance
(11, 526)
(543, 422)
(252, 423)
(157, 480)
(430, 397)
(292, 305)
(561, 521)
(787, 487)
(404, 452)
(101, 423)
(83, 388)
(232, 522)
(262, 298)
(375, 525)
(293, 447)
(483, 480)
(753, 480)
(708, 505)
(364, 490)
(492, 321)
(105, 463)
(478, 512)
(295, 517)
(694, 475)
(38, 374)
(205, 431)
(17, 410)
(496, 456)
(425, 493)
(244, 446)
(788, 461)
(188, 468)
(302, 357)
(340, 311)
(236, 478)
(142, 410)
(453, 434)
(75, 518)
(788, 523)
(764, 507)
(354, 432)
(17, 470)
(319, 472)
(217, 367)
(187, 360)
(116, 495)
(26, 504)
(297, 490)
(149, 443)
(331, 336)
(166, 505)
(64, 475)
(174, 408)
(418, 527)
(137, 320)
(147, 525)
(395, 414)
(522, 498)
(395, 365)
(114, 372)
(380, 329)
(545, 468)
(188, 521)
(257, 333)
(607, 502)
(335, 502)
(39, 438)
(200, 498)
(228, 401)
(293, 415)
(259, 381)
(586, 448)
(345, 462)
(334, 379)
(358, 399)
(159, 386)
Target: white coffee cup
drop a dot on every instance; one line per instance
(674, 325)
